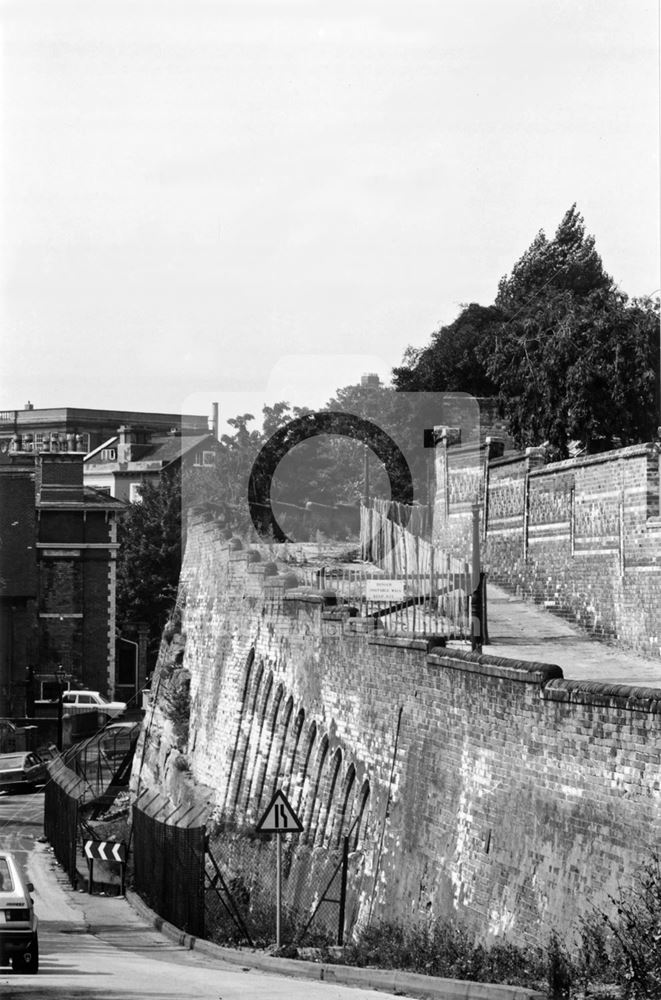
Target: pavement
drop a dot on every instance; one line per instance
(126, 916)
(520, 630)
(392, 981)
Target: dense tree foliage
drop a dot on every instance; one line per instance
(149, 557)
(569, 356)
(573, 358)
(456, 359)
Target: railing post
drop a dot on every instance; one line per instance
(476, 587)
(343, 891)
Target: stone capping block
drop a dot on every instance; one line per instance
(236, 555)
(398, 641)
(598, 693)
(524, 671)
(361, 625)
(417, 640)
(339, 614)
(308, 595)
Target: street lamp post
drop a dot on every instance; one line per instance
(60, 676)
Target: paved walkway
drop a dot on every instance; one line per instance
(520, 630)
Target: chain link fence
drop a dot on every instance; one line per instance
(320, 889)
(64, 796)
(168, 869)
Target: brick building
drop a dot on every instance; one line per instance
(57, 576)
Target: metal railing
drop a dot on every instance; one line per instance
(408, 584)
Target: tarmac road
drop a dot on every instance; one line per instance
(99, 948)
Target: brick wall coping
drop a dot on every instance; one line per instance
(398, 642)
(632, 451)
(518, 456)
(304, 595)
(524, 671)
(624, 696)
(468, 448)
(299, 598)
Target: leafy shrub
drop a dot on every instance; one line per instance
(636, 934)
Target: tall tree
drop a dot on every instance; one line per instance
(149, 557)
(573, 358)
(456, 358)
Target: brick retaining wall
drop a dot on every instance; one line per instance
(475, 786)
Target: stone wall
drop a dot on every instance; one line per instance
(487, 789)
(582, 537)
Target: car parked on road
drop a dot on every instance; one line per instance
(19, 941)
(22, 770)
(91, 701)
(47, 753)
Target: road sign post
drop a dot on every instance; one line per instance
(278, 887)
(105, 850)
(279, 818)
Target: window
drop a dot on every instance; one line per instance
(135, 495)
(6, 881)
(207, 458)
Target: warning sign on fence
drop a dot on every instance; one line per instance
(385, 591)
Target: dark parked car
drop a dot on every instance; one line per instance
(21, 770)
(47, 753)
(18, 922)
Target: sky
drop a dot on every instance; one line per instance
(264, 199)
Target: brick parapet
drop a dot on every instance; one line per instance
(621, 697)
(522, 671)
(581, 536)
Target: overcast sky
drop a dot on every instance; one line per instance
(196, 193)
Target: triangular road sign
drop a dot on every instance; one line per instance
(279, 817)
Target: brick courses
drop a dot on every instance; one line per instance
(582, 537)
(477, 786)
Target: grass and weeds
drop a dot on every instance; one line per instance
(448, 950)
(623, 946)
(613, 954)
(618, 953)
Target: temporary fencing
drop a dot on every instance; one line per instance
(408, 584)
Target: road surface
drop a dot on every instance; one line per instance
(99, 948)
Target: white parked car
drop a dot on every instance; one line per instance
(90, 701)
(19, 942)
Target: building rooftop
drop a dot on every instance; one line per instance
(31, 416)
